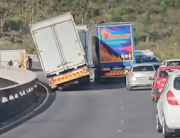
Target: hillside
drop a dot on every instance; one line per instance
(157, 22)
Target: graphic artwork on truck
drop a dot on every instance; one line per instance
(116, 43)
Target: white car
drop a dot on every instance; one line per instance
(170, 62)
(168, 107)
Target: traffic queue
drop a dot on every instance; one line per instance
(164, 82)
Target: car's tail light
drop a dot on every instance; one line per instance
(161, 81)
(172, 99)
(132, 76)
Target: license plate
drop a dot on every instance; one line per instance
(143, 78)
(118, 68)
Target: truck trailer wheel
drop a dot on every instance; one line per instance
(97, 78)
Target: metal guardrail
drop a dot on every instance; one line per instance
(14, 99)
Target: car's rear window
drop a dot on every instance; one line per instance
(143, 68)
(173, 63)
(163, 74)
(166, 73)
(177, 83)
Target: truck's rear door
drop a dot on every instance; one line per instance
(70, 43)
(47, 49)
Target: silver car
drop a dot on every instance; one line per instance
(140, 75)
(168, 107)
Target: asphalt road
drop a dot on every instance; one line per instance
(101, 111)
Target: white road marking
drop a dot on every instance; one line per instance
(122, 121)
(121, 102)
(119, 131)
(122, 107)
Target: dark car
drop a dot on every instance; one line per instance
(138, 58)
(152, 60)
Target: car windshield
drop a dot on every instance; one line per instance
(149, 59)
(173, 63)
(177, 83)
(143, 68)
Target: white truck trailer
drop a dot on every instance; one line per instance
(60, 51)
(17, 56)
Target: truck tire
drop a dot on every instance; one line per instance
(97, 78)
(158, 124)
(165, 131)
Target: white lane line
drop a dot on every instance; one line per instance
(46, 99)
(119, 131)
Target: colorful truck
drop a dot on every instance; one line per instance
(115, 46)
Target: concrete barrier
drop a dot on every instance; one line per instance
(16, 98)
